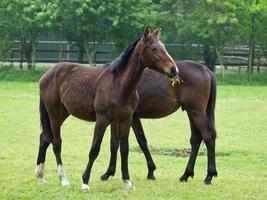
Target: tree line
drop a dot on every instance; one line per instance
(211, 23)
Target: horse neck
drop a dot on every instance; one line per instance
(131, 75)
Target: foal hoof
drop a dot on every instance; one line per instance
(85, 187)
(105, 177)
(183, 178)
(65, 183)
(151, 177)
(186, 175)
(129, 184)
(209, 177)
(42, 181)
(207, 180)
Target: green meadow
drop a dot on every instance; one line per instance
(241, 122)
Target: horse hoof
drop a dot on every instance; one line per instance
(104, 177)
(42, 181)
(85, 187)
(151, 177)
(207, 180)
(129, 184)
(183, 179)
(65, 183)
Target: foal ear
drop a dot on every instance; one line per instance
(156, 32)
(146, 32)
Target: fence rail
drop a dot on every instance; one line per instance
(60, 51)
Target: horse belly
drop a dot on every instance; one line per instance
(79, 106)
(157, 109)
(87, 116)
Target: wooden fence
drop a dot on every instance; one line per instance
(58, 51)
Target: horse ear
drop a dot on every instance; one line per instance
(146, 32)
(156, 32)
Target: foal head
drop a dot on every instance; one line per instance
(154, 54)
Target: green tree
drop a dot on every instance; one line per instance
(207, 22)
(27, 19)
(132, 17)
(84, 21)
(252, 26)
(6, 32)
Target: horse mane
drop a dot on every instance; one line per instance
(120, 62)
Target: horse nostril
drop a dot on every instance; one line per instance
(174, 71)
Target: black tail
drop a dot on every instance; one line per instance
(44, 120)
(211, 104)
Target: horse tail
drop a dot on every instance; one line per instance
(44, 120)
(211, 105)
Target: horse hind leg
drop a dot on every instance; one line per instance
(195, 142)
(208, 136)
(57, 117)
(45, 140)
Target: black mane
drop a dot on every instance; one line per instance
(120, 62)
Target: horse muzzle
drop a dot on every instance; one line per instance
(174, 71)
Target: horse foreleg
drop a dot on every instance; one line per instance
(124, 128)
(100, 127)
(141, 139)
(195, 141)
(114, 145)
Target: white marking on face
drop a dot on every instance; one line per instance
(168, 55)
(62, 176)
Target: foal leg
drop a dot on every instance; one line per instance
(114, 145)
(141, 139)
(195, 141)
(124, 128)
(201, 122)
(56, 119)
(100, 127)
(45, 140)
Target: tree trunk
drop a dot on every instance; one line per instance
(21, 53)
(252, 43)
(210, 57)
(60, 52)
(90, 53)
(251, 53)
(218, 53)
(80, 53)
(28, 52)
(33, 53)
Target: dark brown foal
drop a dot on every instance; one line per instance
(106, 95)
(196, 94)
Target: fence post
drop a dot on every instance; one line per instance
(11, 56)
(68, 52)
(258, 65)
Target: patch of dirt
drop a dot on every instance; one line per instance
(177, 152)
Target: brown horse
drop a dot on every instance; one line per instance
(196, 94)
(106, 95)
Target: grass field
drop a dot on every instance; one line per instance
(241, 151)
